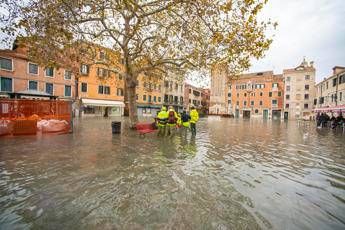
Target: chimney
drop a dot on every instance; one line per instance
(338, 69)
(312, 64)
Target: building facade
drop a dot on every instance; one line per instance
(149, 96)
(100, 91)
(331, 91)
(218, 98)
(205, 101)
(19, 75)
(256, 95)
(192, 96)
(173, 93)
(299, 91)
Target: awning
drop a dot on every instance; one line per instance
(339, 108)
(107, 103)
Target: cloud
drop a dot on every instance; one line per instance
(311, 28)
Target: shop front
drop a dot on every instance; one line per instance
(93, 107)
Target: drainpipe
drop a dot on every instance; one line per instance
(336, 90)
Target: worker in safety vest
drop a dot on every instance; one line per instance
(172, 120)
(162, 119)
(194, 117)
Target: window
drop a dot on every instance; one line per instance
(256, 111)
(245, 94)
(189, 100)
(33, 85)
(341, 79)
(270, 94)
(68, 75)
(287, 96)
(150, 97)
(260, 103)
(119, 92)
(252, 103)
(49, 72)
(154, 98)
(101, 55)
(84, 69)
(159, 87)
(84, 87)
(238, 95)
(50, 88)
(306, 96)
(100, 89)
(287, 88)
(298, 96)
(307, 77)
(68, 91)
(144, 97)
(107, 90)
(274, 102)
(176, 86)
(102, 72)
(190, 91)
(6, 64)
(261, 94)
(287, 106)
(274, 85)
(340, 96)
(326, 84)
(136, 97)
(6, 84)
(33, 68)
(334, 82)
(237, 103)
(245, 103)
(229, 94)
(159, 99)
(306, 87)
(279, 94)
(306, 106)
(288, 78)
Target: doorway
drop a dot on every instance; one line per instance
(246, 114)
(265, 114)
(286, 115)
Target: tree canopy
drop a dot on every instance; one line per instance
(153, 37)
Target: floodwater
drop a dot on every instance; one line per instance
(235, 174)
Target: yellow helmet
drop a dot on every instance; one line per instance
(164, 108)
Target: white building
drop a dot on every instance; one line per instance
(299, 91)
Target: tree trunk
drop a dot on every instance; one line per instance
(132, 102)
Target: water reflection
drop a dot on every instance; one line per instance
(234, 174)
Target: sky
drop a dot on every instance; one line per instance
(314, 29)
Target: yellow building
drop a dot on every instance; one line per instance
(149, 95)
(100, 89)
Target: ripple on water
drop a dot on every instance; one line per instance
(234, 175)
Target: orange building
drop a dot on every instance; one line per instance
(100, 89)
(21, 77)
(149, 95)
(256, 94)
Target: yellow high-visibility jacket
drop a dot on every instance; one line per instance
(194, 116)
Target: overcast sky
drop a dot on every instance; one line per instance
(311, 28)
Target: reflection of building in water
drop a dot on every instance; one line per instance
(331, 91)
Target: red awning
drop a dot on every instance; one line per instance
(338, 109)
